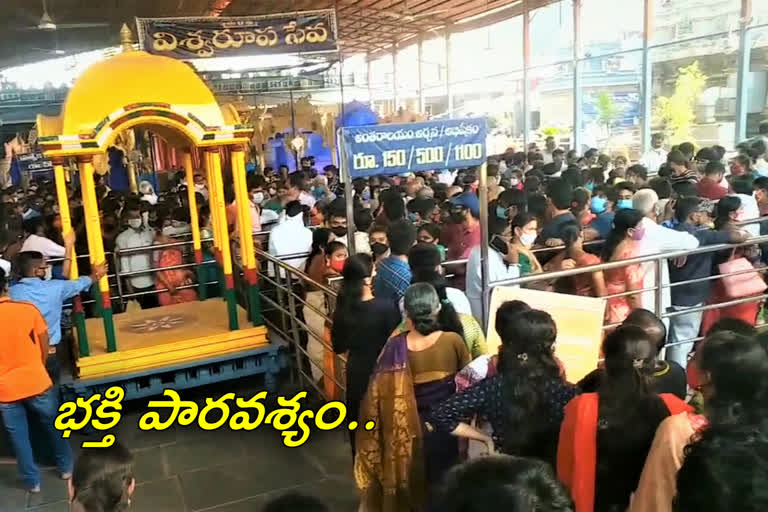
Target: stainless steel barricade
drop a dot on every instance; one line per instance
(302, 315)
(658, 260)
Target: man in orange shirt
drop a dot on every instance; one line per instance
(25, 386)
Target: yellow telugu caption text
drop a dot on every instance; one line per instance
(104, 413)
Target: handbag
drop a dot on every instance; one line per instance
(741, 285)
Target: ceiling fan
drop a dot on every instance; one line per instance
(407, 15)
(46, 23)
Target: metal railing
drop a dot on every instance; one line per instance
(116, 278)
(289, 296)
(296, 319)
(658, 260)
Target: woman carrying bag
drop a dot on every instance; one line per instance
(734, 285)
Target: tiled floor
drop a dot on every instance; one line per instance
(187, 469)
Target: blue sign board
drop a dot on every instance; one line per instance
(412, 147)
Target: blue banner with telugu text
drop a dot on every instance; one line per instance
(413, 147)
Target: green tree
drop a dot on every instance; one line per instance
(607, 111)
(550, 131)
(677, 112)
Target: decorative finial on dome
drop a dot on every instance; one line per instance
(126, 38)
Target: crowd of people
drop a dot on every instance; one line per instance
(409, 316)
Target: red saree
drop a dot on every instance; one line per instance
(172, 257)
(577, 450)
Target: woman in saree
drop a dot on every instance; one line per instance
(318, 269)
(734, 377)
(173, 278)
(399, 462)
(623, 243)
(424, 260)
(605, 436)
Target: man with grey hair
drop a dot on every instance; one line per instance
(658, 239)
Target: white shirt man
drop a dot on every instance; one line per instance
(658, 239)
(498, 269)
(136, 261)
(655, 157)
(290, 237)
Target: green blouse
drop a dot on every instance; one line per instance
(525, 264)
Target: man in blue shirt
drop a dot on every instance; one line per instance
(560, 196)
(49, 297)
(393, 275)
(692, 214)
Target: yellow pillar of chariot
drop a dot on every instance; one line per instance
(247, 253)
(100, 290)
(66, 228)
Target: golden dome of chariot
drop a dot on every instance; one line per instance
(137, 88)
(134, 78)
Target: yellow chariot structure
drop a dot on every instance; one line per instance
(166, 96)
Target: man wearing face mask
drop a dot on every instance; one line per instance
(49, 295)
(332, 175)
(200, 186)
(465, 212)
(510, 203)
(658, 239)
(602, 205)
(255, 198)
(693, 215)
(137, 235)
(377, 236)
(624, 193)
(259, 214)
(337, 221)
